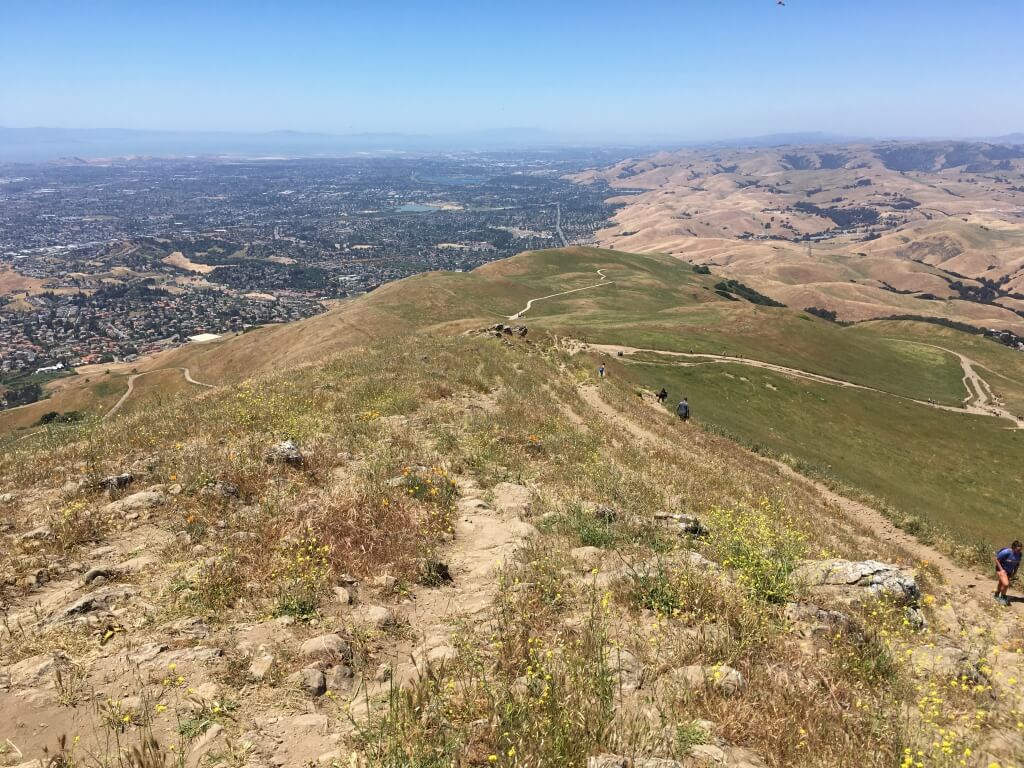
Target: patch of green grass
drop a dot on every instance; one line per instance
(689, 735)
(953, 471)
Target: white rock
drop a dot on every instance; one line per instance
(378, 617)
(141, 501)
(330, 646)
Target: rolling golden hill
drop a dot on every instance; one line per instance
(868, 231)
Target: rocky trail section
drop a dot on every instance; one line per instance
(959, 578)
(968, 638)
(139, 661)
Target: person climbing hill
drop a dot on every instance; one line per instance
(683, 409)
(662, 395)
(1007, 562)
(600, 370)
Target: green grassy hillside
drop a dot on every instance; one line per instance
(475, 553)
(950, 470)
(959, 472)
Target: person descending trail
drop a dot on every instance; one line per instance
(1007, 562)
(683, 409)
(600, 371)
(662, 396)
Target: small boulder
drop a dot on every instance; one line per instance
(852, 579)
(137, 564)
(377, 617)
(340, 677)
(285, 452)
(261, 665)
(101, 599)
(116, 482)
(98, 575)
(41, 533)
(385, 583)
(693, 677)
(808, 620)
(330, 646)
(142, 501)
(311, 680)
(512, 498)
(35, 670)
(146, 653)
(618, 761)
(683, 525)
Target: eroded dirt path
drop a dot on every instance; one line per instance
(529, 304)
(979, 400)
(131, 386)
(967, 584)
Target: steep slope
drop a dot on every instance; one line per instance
(474, 552)
(839, 403)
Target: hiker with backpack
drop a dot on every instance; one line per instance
(1007, 562)
(662, 396)
(683, 409)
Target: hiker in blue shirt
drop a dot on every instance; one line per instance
(683, 410)
(1007, 562)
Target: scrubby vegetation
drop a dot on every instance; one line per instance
(610, 623)
(454, 549)
(735, 287)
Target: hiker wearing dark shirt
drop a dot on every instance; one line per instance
(683, 409)
(1007, 562)
(600, 371)
(663, 395)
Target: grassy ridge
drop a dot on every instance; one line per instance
(660, 303)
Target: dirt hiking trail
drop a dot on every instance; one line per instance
(969, 587)
(131, 386)
(979, 400)
(529, 304)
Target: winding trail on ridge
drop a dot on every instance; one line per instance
(131, 386)
(979, 400)
(529, 304)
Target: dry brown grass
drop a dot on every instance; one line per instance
(544, 681)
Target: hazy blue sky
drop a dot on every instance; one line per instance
(680, 68)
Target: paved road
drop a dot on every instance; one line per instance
(558, 225)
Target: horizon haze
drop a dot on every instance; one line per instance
(577, 73)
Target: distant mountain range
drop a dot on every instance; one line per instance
(44, 144)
